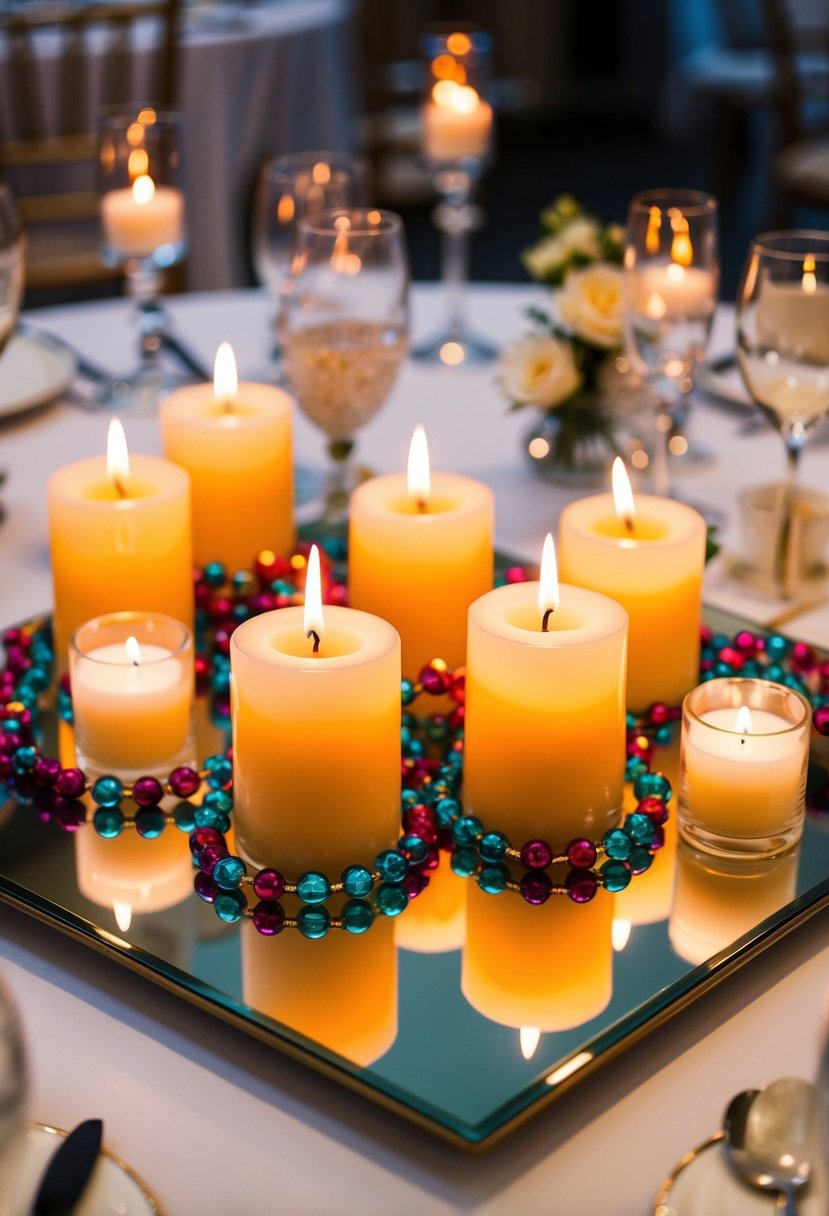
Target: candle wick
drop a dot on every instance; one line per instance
(422, 506)
(312, 633)
(629, 525)
(545, 620)
(135, 662)
(228, 405)
(120, 488)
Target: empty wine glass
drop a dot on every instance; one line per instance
(783, 354)
(12, 265)
(671, 285)
(343, 326)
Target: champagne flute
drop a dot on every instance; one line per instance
(12, 265)
(671, 284)
(783, 354)
(343, 326)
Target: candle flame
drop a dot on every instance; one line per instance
(138, 161)
(133, 651)
(313, 619)
(743, 720)
(548, 592)
(809, 281)
(118, 459)
(225, 377)
(285, 209)
(143, 189)
(123, 914)
(529, 1038)
(418, 474)
(620, 933)
(623, 499)
(459, 43)
(321, 173)
(461, 98)
(682, 251)
(652, 234)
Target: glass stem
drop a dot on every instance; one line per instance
(454, 218)
(339, 482)
(661, 427)
(144, 289)
(785, 573)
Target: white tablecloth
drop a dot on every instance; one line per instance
(217, 1123)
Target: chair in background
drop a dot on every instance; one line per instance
(60, 65)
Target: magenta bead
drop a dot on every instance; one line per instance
(821, 719)
(70, 814)
(146, 791)
(200, 838)
(581, 886)
(536, 888)
(184, 782)
(414, 884)
(268, 918)
(745, 641)
(536, 855)
(46, 770)
(515, 574)
(269, 885)
(206, 888)
(581, 853)
(658, 841)
(659, 713)
(433, 681)
(70, 782)
(209, 855)
(654, 808)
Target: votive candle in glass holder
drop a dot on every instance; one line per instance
(131, 675)
(743, 760)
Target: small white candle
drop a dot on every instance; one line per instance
(140, 218)
(457, 122)
(672, 291)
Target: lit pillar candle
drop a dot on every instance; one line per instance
(234, 440)
(650, 556)
(316, 736)
(140, 218)
(743, 761)
(120, 538)
(457, 122)
(420, 551)
(132, 692)
(545, 710)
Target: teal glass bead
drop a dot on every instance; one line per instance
(723, 670)
(464, 862)
(493, 878)
(447, 810)
(219, 771)
(751, 669)
(108, 791)
(357, 881)
(436, 728)
(493, 846)
(150, 822)
(467, 830)
(41, 652)
(705, 676)
(407, 692)
(793, 681)
(241, 612)
(214, 574)
(336, 547)
(409, 798)
(391, 866)
(615, 876)
(35, 678)
(313, 923)
(242, 582)
(416, 749)
(313, 887)
(640, 860)
(205, 816)
(108, 822)
(229, 872)
(630, 721)
(640, 829)
(652, 785)
(777, 647)
(774, 672)
(219, 800)
(23, 760)
(357, 916)
(27, 696)
(64, 704)
(220, 682)
(390, 900)
(662, 736)
(409, 720)
(405, 736)
(617, 844)
(230, 906)
(184, 818)
(414, 849)
(635, 767)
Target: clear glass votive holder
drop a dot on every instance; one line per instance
(761, 510)
(744, 751)
(132, 682)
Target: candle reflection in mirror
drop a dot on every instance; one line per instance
(435, 922)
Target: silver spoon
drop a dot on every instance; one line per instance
(769, 1134)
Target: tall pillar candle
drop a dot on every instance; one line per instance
(545, 710)
(120, 538)
(316, 738)
(235, 442)
(420, 551)
(650, 557)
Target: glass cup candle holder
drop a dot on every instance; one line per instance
(743, 758)
(131, 675)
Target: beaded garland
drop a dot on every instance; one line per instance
(433, 818)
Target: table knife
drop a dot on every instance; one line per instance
(68, 1171)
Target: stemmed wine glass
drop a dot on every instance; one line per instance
(783, 354)
(298, 186)
(343, 326)
(671, 286)
(12, 265)
(143, 226)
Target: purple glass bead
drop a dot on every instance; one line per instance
(269, 885)
(821, 719)
(146, 791)
(581, 886)
(70, 782)
(536, 855)
(268, 918)
(414, 884)
(184, 782)
(536, 888)
(206, 888)
(433, 681)
(209, 855)
(46, 770)
(202, 837)
(581, 853)
(658, 841)
(70, 814)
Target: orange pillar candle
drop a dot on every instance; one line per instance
(120, 538)
(649, 556)
(420, 551)
(316, 735)
(235, 442)
(545, 710)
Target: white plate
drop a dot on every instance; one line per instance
(34, 370)
(703, 1184)
(113, 1189)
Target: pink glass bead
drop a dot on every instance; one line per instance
(536, 855)
(581, 853)
(536, 888)
(654, 808)
(457, 691)
(803, 657)
(209, 855)
(414, 884)
(821, 719)
(659, 713)
(268, 918)
(70, 782)
(658, 841)
(70, 814)
(200, 838)
(581, 886)
(732, 657)
(205, 888)
(46, 770)
(269, 885)
(146, 791)
(433, 681)
(746, 642)
(184, 782)
(515, 574)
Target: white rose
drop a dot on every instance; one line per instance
(539, 371)
(545, 258)
(590, 304)
(581, 236)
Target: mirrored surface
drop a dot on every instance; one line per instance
(466, 1013)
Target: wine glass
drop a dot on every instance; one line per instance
(783, 354)
(671, 285)
(457, 147)
(294, 187)
(143, 227)
(343, 326)
(12, 265)
(12, 1094)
